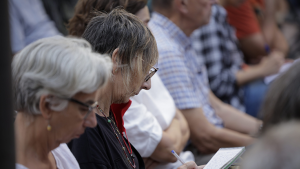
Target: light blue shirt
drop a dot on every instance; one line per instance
(28, 23)
(182, 72)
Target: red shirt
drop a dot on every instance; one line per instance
(119, 110)
(244, 19)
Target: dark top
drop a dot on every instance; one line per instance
(99, 148)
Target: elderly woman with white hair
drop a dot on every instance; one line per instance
(56, 87)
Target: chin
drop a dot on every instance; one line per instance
(206, 22)
(126, 100)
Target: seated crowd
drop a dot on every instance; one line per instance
(125, 89)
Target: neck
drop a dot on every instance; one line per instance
(33, 142)
(183, 23)
(222, 3)
(106, 99)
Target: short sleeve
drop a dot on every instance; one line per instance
(243, 19)
(142, 128)
(177, 78)
(19, 166)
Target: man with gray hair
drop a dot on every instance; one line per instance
(213, 124)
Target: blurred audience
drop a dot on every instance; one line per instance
(153, 124)
(55, 102)
(217, 45)
(134, 53)
(60, 11)
(213, 124)
(282, 100)
(291, 27)
(28, 23)
(256, 29)
(279, 148)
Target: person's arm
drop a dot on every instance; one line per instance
(171, 139)
(254, 45)
(185, 131)
(267, 18)
(279, 41)
(208, 138)
(234, 119)
(268, 66)
(147, 135)
(270, 30)
(174, 138)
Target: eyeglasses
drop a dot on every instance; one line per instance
(152, 71)
(90, 108)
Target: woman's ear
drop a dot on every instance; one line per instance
(115, 59)
(44, 106)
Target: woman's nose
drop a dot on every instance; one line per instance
(91, 120)
(146, 85)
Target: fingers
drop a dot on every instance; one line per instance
(189, 165)
(201, 167)
(278, 56)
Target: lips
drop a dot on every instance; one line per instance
(78, 135)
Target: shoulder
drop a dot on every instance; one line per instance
(91, 146)
(64, 157)
(19, 166)
(165, 43)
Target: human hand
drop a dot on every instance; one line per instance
(191, 165)
(150, 163)
(271, 64)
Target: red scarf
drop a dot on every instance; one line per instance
(119, 110)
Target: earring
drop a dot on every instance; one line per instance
(49, 127)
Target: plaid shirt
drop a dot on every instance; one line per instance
(217, 45)
(181, 71)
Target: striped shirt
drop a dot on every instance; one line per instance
(182, 72)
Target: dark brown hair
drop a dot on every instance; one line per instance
(85, 10)
(282, 101)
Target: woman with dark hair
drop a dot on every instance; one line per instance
(133, 50)
(282, 102)
(84, 13)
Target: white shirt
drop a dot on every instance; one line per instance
(150, 113)
(63, 157)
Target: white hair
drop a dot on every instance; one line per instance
(56, 66)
